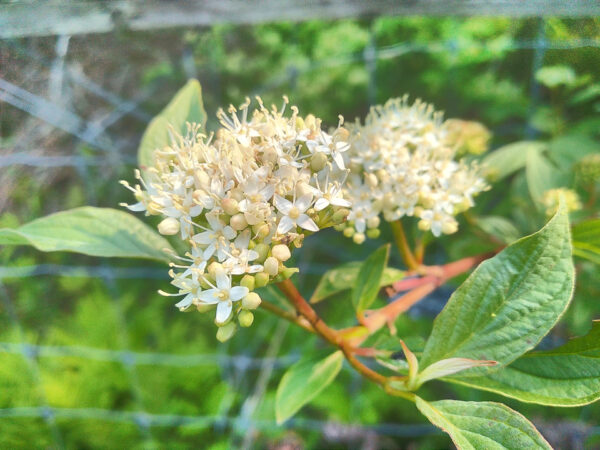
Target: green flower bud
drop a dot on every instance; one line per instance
(251, 301)
(226, 332)
(373, 233)
(349, 232)
(247, 281)
(261, 279)
(318, 162)
(263, 252)
(340, 215)
(245, 318)
(205, 308)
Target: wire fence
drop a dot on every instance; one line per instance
(235, 368)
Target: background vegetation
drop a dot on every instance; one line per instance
(91, 356)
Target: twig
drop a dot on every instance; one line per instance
(287, 315)
(402, 244)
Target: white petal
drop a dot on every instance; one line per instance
(339, 160)
(223, 311)
(304, 202)
(267, 192)
(321, 203)
(285, 225)
(307, 223)
(340, 202)
(203, 238)
(282, 204)
(185, 303)
(360, 225)
(237, 292)
(214, 222)
(223, 280)
(137, 207)
(229, 232)
(209, 296)
(254, 269)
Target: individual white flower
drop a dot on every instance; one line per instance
(223, 295)
(216, 238)
(294, 214)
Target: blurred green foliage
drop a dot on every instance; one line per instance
(474, 68)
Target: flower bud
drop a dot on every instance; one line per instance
(213, 267)
(261, 230)
(251, 301)
(261, 279)
(281, 252)
(449, 227)
(349, 232)
(226, 332)
(373, 233)
(245, 318)
(271, 266)
(318, 162)
(340, 215)
(169, 226)
(371, 180)
(238, 222)
(358, 238)
(203, 307)
(247, 281)
(373, 222)
(230, 206)
(424, 225)
(263, 251)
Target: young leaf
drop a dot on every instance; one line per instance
(368, 281)
(92, 231)
(342, 278)
(586, 240)
(482, 425)
(541, 175)
(303, 382)
(499, 227)
(566, 376)
(450, 366)
(506, 160)
(186, 106)
(509, 302)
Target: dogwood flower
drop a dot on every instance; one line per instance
(223, 295)
(293, 214)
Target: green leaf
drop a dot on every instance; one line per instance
(342, 278)
(506, 160)
(586, 240)
(541, 175)
(368, 281)
(499, 227)
(304, 381)
(553, 76)
(509, 302)
(482, 425)
(185, 107)
(92, 231)
(565, 376)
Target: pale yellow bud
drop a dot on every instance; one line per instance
(261, 230)
(251, 301)
(271, 266)
(247, 281)
(449, 227)
(349, 232)
(263, 252)
(238, 222)
(371, 180)
(213, 267)
(373, 222)
(281, 252)
(358, 238)
(424, 225)
(230, 206)
(169, 226)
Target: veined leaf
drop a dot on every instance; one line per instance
(342, 278)
(506, 160)
(304, 381)
(92, 231)
(186, 106)
(509, 302)
(368, 280)
(566, 376)
(482, 425)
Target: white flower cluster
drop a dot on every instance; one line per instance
(403, 163)
(241, 200)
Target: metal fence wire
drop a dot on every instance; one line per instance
(96, 134)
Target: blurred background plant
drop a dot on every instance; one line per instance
(91, 355)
